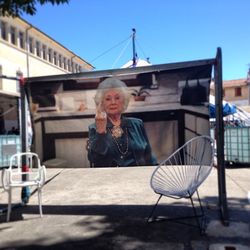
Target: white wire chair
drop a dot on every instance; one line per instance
(181, 174)
(15, 177)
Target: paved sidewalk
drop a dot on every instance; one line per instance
(106, 208)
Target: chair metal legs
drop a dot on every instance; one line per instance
(152, 212)
(39, 192)
(9, 204)
(199, 216)
(200, 222)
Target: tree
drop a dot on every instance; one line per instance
(16, 8)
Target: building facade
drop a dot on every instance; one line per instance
(24, 48)
(236, 92)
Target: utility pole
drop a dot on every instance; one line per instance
(219, 133)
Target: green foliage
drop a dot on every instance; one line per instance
(16, 8)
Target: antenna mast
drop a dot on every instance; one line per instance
(134, 52)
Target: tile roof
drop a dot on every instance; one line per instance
(235, 83)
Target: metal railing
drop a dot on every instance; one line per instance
(236, 144)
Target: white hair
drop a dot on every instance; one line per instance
(112, 83)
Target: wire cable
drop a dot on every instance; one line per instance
(122, 52)
(141, 48)
(105, 52)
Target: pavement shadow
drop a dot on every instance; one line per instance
(126, 224)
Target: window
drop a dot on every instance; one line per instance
(4, 31)
(44, 54)
(21, 39)
(60, 60)
(31, 46)
(50, 55)
(76, 68)
(13, 35)
(237, 91)
(38, 49)
(69, 65)
(80, 68)
(55, 58)
(64, 63)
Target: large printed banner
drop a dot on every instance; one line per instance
(172, 101)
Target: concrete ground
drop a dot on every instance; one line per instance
(107, 208)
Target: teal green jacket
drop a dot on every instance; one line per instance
(104, 152)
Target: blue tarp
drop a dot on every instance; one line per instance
(228, 108)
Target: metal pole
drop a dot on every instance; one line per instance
(219, 135)
(25, 193)
(23, 114)
(134, 52)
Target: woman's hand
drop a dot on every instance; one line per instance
(100, 120)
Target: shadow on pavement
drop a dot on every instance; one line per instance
(125, 227)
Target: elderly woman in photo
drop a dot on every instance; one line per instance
(115, 140)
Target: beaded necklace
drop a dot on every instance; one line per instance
(123, 153)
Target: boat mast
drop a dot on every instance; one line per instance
(134, 51)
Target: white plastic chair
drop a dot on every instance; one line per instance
(181, 174)
(15, 177)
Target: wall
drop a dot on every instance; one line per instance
(230, 93)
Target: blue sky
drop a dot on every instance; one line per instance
(167, 31)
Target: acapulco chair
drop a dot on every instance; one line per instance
(181, 174)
